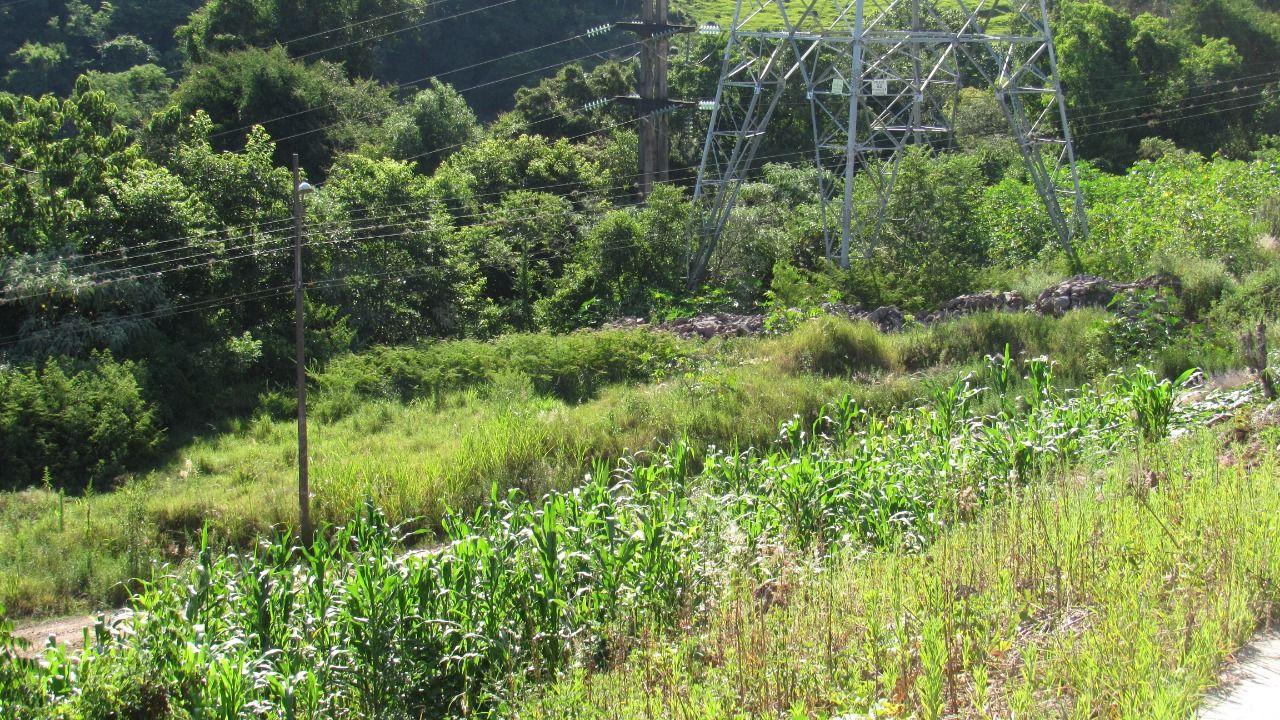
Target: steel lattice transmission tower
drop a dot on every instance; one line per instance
(877, 76)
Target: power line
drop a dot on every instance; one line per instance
(275, 226)
(370, 115)
(351, 233)
(408, 83)
(1160, 121)
(407, 28)
(256, 248)
(21, 170)
(416, 8)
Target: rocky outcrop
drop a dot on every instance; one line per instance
(718, 325)
(989, 301)
(1078, 292)
(887, 319)
(1084, 291)
(701, 326)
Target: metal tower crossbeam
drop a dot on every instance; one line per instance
(878, 76)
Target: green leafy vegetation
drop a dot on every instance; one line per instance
(527, 515)
(83, 422)
(523, 586)
(1114, 592)
(420, 431)
(144, 202)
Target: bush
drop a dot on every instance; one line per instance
(570, 367)
(832, 346)
(1205, 282)
(1074, 342)
(80, 423)
(1257, 297)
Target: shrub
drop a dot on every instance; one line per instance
(81, 422)
(1072, 341)
(1205, 282)
(1257, 297)
(832, 346)
(570, 367)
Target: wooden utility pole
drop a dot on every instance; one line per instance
(655, 127)
(299, 322)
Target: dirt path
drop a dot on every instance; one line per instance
(67, 631)
(1251, 685)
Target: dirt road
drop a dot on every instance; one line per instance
(1251, 687)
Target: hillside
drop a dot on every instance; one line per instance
(973, 468)
(46, 44)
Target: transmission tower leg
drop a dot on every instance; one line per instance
(751, 85)
(1029, 91)
(851, 147)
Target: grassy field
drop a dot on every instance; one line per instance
(415, 452)
(1114, 593)
(1009, 547)
(828, 12)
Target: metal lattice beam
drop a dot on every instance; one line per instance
(879, 77)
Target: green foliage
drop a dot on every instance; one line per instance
(404, 273)
(625, 265)
(833, 346)
(572, 367)
(1205, 283)
(555, 106)
(1257, 297)
(1173, 64)
(34, 62)
(432, 125)
(314, 109)
(1152, 399)
(524, 585)
(1076, 342)
(308, 26)
(1177, 206)
(137, 92)
(79, 424)
(1143, 323)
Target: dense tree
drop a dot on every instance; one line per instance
(145, 206)
(398, 270)
(1128, 78)
(77, 189)
(481, 173)
(523, 247)
(137, 93)
(557, 106)
(430, 126)
(312, 109)
(336, 31)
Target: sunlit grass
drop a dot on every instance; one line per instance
(417, 457)
(1115, 593)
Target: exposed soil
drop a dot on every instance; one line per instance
(67, 631)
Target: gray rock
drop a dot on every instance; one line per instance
(888, 319)
(1084, 291)
(988, 301)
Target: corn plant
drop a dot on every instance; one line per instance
(523, 587)
(1152, 400)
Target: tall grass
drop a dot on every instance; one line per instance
(524, 587)
(1078, 598)
(532, 415)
